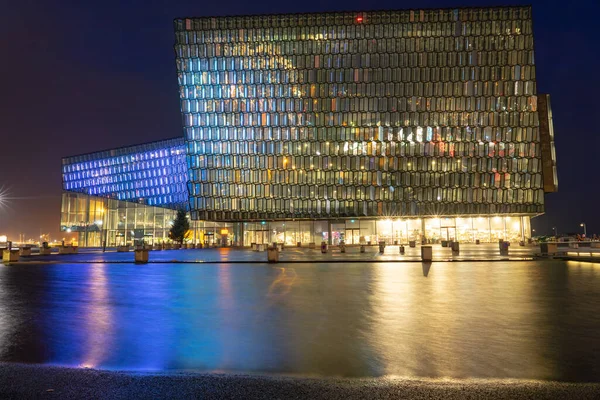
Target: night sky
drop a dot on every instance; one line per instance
(82, 76)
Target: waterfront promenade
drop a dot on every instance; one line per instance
(18, 381)
(468, 252)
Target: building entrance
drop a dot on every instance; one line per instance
(259, 236)
(352, 236)
(448, 233)
(209, 238)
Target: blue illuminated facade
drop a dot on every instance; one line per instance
(153, 174)
(124, 195)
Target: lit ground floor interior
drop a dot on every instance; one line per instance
(93, 222)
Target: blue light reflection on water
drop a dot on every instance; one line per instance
(520, 320)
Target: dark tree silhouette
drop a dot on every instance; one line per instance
(181, 225)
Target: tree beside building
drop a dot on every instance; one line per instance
(181, 226)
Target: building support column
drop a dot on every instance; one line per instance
(87, 205)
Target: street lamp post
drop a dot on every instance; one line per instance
(584, 229)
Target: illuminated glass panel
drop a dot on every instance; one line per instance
(152, 173)
(410, 112)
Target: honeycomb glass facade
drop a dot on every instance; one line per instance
(126, 194)
(407, 125)
(130, 195)
(153, 174)
(387, 114)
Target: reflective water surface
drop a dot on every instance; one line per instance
(526, 319)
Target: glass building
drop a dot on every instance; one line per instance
(364, 126)
(130, 194)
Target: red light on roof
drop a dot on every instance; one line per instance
(359, 19)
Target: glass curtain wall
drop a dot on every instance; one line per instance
(153, 174)
(392, 231)
(341, 115)
(97, 220)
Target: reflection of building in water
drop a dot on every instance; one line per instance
(99, 322)
(387, 125)
(444, 325)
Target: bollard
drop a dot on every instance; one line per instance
(10, 255)
(401, 248)
(381, 247)
(362, 248)
(412, 243)
(342, 247)
(298, 244)
(548, 249)
(323, 247)
(66, 249)
(455, 247)
(426, 253)
(504, 248)
(141, 255)
(477, 241)
(272, 255)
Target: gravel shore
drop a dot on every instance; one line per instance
(20, 381)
